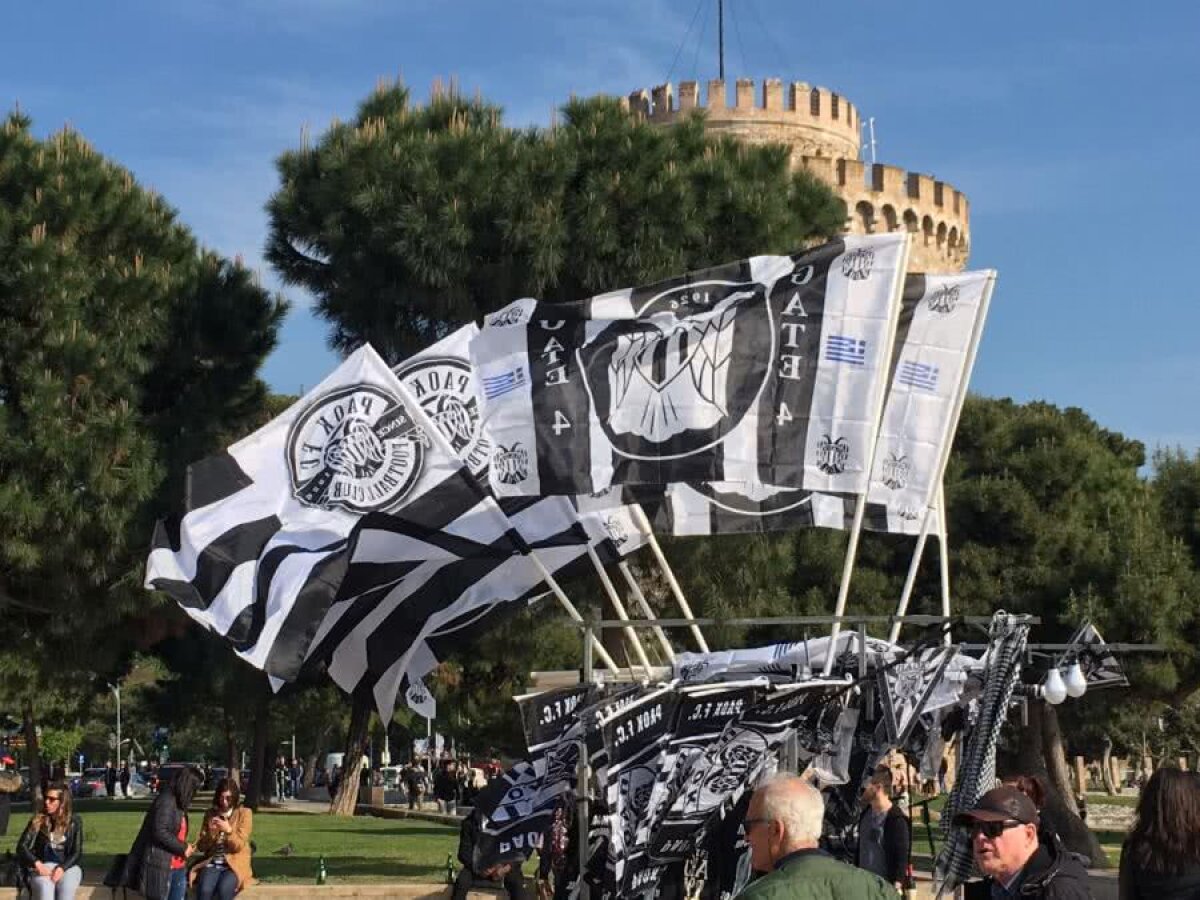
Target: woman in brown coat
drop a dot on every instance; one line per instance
(224, 846)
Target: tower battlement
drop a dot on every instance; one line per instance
(822, 130)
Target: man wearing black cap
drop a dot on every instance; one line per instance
(1004, 837)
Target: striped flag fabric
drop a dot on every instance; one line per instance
(260, 550)
(766, 371)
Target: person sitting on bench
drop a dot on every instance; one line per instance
(503, 872)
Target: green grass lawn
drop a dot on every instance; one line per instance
(358, 849)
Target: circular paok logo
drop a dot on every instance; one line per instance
(445, 388)
(354, 449)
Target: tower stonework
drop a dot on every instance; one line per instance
(822, 129)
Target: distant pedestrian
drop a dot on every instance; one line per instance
(110, 779)
(335, 778)
(415, 784)
(224, 846)
(445, 787)
(125, 778)
(296, 774)
(943, 770)
(155, 866)
(1161, 857)
(50, 849)
(1033, 787)
(281, 778)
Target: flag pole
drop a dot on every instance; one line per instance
(944, 561)
(860, 505)
(615, 599)
(644, 523)
(911, 578)
(636, 590)
(939, 498)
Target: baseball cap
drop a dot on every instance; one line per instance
(999, 805)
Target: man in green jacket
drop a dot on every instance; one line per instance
(783, 825)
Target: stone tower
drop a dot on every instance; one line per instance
(822, 129)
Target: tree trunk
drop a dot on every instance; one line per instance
(259, 776)
(33, 752)
(1106, 769)
(310, 768)
(356, 742)
(1041, 753)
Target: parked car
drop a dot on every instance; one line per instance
(166, 774)
(139, 785)
(92, 784)
(215, 774)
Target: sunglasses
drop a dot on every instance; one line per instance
(53, 798)
(226, 797)
(993, 830)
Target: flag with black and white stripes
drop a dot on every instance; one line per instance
(260, 552)
(768, 371)
(940, 322)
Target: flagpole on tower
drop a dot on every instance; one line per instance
(860, 505)
(644, 524)
(721, 39)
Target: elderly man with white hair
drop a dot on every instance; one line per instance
(783, 826)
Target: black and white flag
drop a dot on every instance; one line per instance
(905, 688)
(732, 763)
(1099, 664)
(765, 371)
(261, 549)
(636, 740)
(940, 322)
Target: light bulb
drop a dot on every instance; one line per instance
(1075, 681)
(1054, 691)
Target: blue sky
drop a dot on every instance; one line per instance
(1072, 127)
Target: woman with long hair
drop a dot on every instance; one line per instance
(1161, 857)
(224, 846)
(156, 866)
(51, 847)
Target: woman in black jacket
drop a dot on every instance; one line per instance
(51, 846)
(1161, 857)
(157, 863)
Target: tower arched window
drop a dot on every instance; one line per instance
(866, 216)
(889, 217)
(927, 230)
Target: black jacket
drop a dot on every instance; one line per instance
(1138, 884)
(148, 867)
(1052, 873)
(895, 844)
(31, 844)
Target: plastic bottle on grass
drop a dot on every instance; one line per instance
(321, 870)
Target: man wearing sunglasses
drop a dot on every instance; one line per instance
(1004, 837)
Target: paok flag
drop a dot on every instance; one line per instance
(765, 371)
(940, 318)
(261, 549)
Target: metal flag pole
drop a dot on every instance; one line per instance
(615, 599)
(643, 523)
(911, 578)
(860, 505)
(937, 500)
(636, 590)
(944, 559)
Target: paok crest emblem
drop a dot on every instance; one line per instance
(856, 264)
(944, 299)
(615, 530)
(505, 317)
(832, 454)
(445, 388)
(895, 471)
(354, 449)
(511, 464)
(681, 376)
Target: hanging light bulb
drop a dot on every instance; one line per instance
(1054, 690)
(1075, 681)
